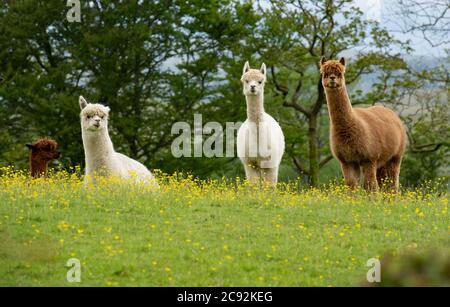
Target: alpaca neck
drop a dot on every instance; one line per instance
(38, 166)
(255, 107)
(97, 146)
(339, 108)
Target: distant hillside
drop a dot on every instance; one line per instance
(417, 63)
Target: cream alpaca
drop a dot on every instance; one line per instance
(260, 140)
(101, 159)
(372, 140)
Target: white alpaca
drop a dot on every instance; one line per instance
(101, 159)
(260, 140)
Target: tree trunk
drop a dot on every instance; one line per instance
(313, 139)
(313, 151)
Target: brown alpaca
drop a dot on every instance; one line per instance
(42, 152)
(372, 140)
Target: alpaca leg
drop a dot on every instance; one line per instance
(382, 175)
(394, 173)
(252, 174)
(370, 176)
(270, 175)
(351, 174)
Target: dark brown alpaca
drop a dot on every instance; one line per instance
(42, 152)
(370, 140)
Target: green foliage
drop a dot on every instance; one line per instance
(160, 62)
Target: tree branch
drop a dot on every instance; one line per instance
(281, 88)
(284, 90)
(299, 165)
(425, 147)
(325, 161)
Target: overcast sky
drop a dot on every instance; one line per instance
(383, 11)
(372, 8)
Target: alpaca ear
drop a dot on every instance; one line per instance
(30, 146)
(263, 69)
(323, 60)
(83, 102)
(246, 67)
(342, 61)
(107, 109)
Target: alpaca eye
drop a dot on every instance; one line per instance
(260, 82)
(89, 116)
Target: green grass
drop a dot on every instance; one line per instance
(194, 233)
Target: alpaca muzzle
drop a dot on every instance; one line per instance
(332, 84)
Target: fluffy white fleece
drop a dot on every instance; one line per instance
(260, 140)
(101, 159)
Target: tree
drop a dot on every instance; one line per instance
(430, 19)
(37, 79)
(159, 62)
(421, 95)
(153, 62)
(295, 36)
(211, 51)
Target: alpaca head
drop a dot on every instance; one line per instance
(94, 117)
(44, 150)
(332, 73)
(253, 80)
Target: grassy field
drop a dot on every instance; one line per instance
(193, 233)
